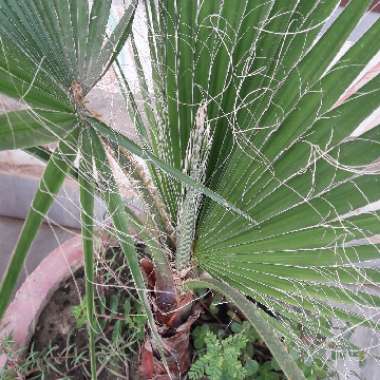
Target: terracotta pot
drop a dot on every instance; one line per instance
(22, 314)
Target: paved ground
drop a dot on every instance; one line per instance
(48, 238)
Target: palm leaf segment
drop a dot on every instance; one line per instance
(51, 54)
(281, 151)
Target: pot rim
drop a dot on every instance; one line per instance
(22, 314)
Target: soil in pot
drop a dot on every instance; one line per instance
(224, 345)
(58, 349)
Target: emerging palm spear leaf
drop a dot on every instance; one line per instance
(256, 174)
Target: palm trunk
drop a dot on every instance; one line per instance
(174, 314)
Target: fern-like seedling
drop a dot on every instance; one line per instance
(195, 166)
(221, 360)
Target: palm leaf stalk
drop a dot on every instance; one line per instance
(250, 158)
(87, 190)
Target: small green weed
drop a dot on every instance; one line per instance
(79, 313)
(221, 360)
(239, 354)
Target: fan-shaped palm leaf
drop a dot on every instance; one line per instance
(281, 151)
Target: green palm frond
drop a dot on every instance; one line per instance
(282, 151)
(63, 41)
(50, 53)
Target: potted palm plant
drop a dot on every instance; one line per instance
(249, 174)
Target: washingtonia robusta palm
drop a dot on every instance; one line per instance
(251, 171)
